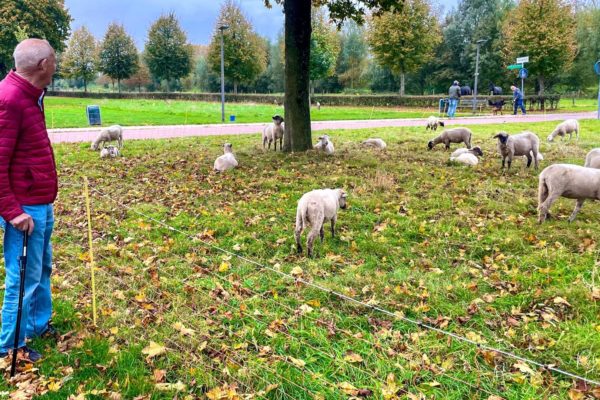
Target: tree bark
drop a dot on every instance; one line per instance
(234, 87)
(119, 84)
(541, 83)
(402, 84)
(296, 83)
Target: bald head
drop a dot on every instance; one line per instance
(30, 52)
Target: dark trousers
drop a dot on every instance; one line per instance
(519, 104)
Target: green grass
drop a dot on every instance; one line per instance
(423, 237)
(70, 112)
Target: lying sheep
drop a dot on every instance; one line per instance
(227, 160)
(109, 134)
(570, 181)
(466, 156)
(274, 131)
(569, 126)
(433, 122)
(316, 208)
(524, 144)
(375, 142)
(592, 160)
(109, 151)
(325, 145)
(455, 135)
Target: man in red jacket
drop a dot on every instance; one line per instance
(28, 187)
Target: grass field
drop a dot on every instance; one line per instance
(457, 247)
(70, 112)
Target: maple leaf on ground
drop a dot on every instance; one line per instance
(153, 350)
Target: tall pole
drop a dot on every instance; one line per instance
(598, 98)
(522, 80)
(222, 77)
(476, 78)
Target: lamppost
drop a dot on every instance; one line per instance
(222, 28)
(478, 43)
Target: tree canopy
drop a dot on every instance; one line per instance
(80, 60)
(118, 57)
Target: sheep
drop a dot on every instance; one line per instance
(592, 160)
(227, 160)
(375, 142)
(274, 131)
(433, 122)
(524, 144)
(569, 126)
(466, 156)
(455, 135)
(570, 181)
(316, 208)
(109, 151)
(114, 132)
(325, 145)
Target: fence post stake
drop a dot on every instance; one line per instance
(91, 249)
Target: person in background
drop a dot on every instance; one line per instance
(28, 187)
(454, 96)
(517, 100)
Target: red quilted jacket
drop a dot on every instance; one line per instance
(27, 166)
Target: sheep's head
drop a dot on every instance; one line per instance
(477, 151)
(228, 148)
(551, 137)
(430, 145)
(94, 146)
(502, 137)
(441, 123)
(342, 196)
(277, 119)
(324, 140)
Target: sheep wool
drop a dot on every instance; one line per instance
(592, 159)
(114, 132)
(375, 142)
(273, 132)
(325, 145)
(454, 135)
(227, 160)
(566, 127)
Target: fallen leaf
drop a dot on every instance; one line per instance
(179, 386)
(353, 358)
(153, 349)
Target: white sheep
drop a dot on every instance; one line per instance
(114, 132)
(273, 132)
(524, 144)
(570, 181)
(433, 122)
(592, 160)
(314, 209)
(455, 135)
(466, 156)
(325, 145)
(569, 126)
(227, 160)
(109, 151)
(375, 142)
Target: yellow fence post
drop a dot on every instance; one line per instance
(91, 250)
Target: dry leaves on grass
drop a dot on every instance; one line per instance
(153, 350)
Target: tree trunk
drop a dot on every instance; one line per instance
(119, 84)
(85, 86)
(234, 87)
(296, 82)
(541, 83)
(402, 84)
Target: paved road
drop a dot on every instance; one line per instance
(175, 131)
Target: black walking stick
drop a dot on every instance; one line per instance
(22, 266)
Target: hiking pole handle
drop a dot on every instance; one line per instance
(22, 268)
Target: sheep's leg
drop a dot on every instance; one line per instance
(545, 207)
(536, 162)
(120, 142)
(322, 233)
(297, 234)
(503, 163)
(264, 143)
(311, 240)
(275, 144)
(333, 221)
(578, 206)
(528, 160)
(281, 144)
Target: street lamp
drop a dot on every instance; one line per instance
(222, 28)
(478, 43)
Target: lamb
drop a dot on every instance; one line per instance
(524, 144)
(455, 135)
(433, 122)
(227, 160)
(274, 131)
(569, 126)
(570, 181)
(114, 132)
(592, 160)
(375, 142)
(324, 145)
(109, 151)
(316, 208)
(466, 156)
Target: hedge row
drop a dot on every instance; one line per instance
(533, 102)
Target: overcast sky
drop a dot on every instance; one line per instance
(197, 17)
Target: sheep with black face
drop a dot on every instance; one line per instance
(524, 144)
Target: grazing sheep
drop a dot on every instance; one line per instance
(227, 160)
(466, 156)
(455, 135)
(109, 134)
(324, 144)
(433, 122)
(569, 126)
(274, 131)
(524, 144)
(318, 105)
(109, 151)
(316, 208)
(570, 181)
(376, 142)
(592, 160)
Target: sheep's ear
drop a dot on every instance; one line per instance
(320, 137)
(496, 136)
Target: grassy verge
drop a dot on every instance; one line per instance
(458, 247)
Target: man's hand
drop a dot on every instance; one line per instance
(24, 223)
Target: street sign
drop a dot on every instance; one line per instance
(597, 68)
(523, 60)
(523, 73)
(515, 66)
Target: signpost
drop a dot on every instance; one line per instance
(523, 72)
(597, 70)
